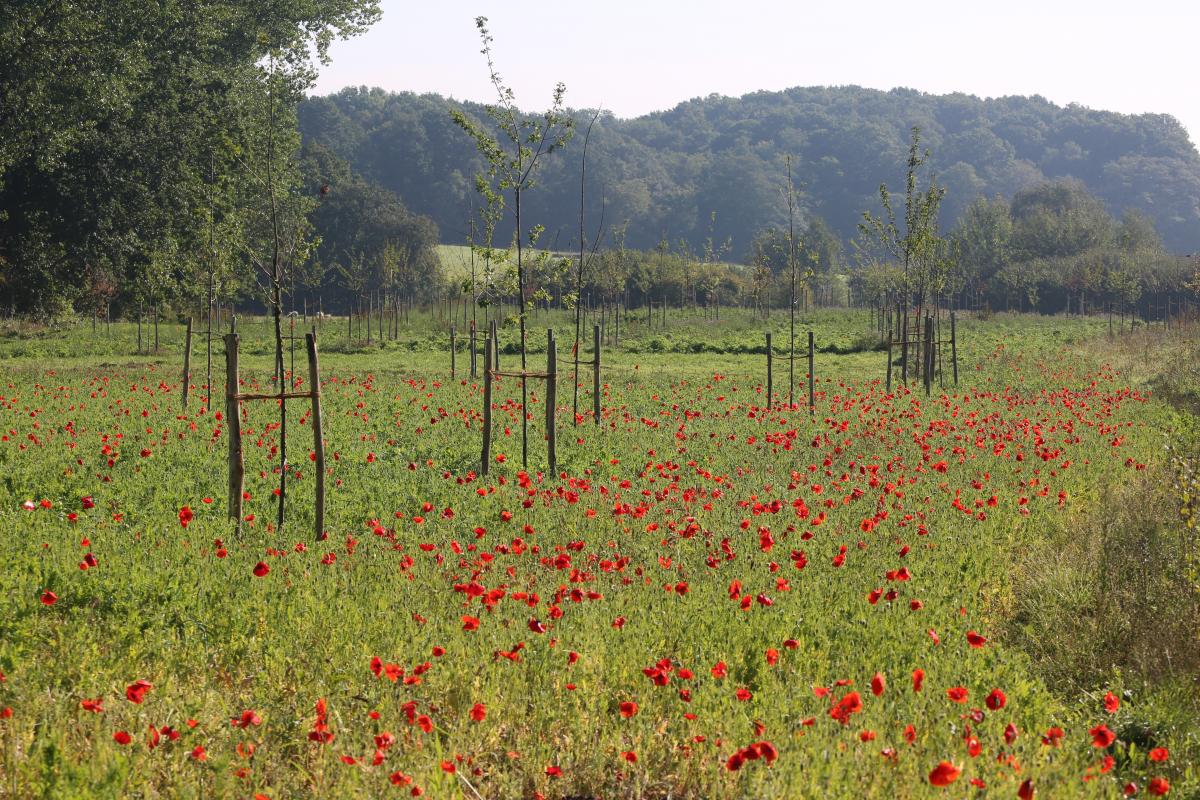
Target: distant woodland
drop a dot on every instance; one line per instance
(667, 173)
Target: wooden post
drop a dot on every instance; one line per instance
(233, 416)
(187, 362)
(812, 404)
(889, 360)
(551, 399)
(452, 354)
(495, 347)
(596, 373)
(474, 356)
(487, 405)
(954, 347)
(902, 320)
(314, 380)
(928, 365)
(770, 372)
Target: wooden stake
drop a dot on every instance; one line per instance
(928, 365)
(889, 360)
(487, 405)
(187, 362)
(314, 379)
(233, 416)
(954, 347)
(770, 371)
(812, 403)
(551, 399)
(596, 373)
(452, 353)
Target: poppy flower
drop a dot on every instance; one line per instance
(1158, 786)
(261, 570)
(957, 694)
(554, 772)
(918, 679)
(1026, 791)
(247, 719)
(628, 708)
(185, 516)
(944, 774)
(136, 691)
(1112, 703)
(1101, 736)
(49, 598)
(996, 700)
(470, 623)
(478, 712)
(878, 684)
(122, 738)
(1159, 754)
(975, 640)
(1052, 737)
(199, 753)
(849, 704)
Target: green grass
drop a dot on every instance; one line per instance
(656, 512)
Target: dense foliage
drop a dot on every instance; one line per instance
(130, 131)
(667, 172)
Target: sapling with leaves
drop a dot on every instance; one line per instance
(275, 209)
(513, 153)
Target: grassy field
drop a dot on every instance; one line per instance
(717, 596)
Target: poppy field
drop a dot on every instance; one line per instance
(716, 596)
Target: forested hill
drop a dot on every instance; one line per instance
(666, 173)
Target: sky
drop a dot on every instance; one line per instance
(636, 57)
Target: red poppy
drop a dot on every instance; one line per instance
(1112, 703)
(628, 708)
(1159, 754)
(975, 640)
(1158, 786)
(996, 700)
(944, 774)
(918, 679)
(1026, 791)
(1102, 736)
(878, 684)
(850, 704)
(478, 712)
(261, 569)
(185, 516)
(199, 753)
(957, 694)
(247, 719)
(49, 598)
(470, 623)
(122, 738)
(136, 691)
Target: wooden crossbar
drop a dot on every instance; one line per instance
(284, 396)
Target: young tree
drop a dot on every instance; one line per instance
(513, 155)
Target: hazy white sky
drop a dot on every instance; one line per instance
(635, 57)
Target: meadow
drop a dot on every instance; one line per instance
(989, 591)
